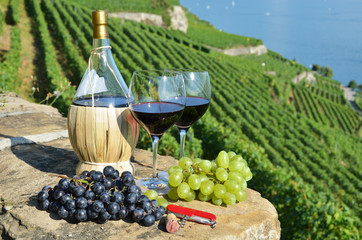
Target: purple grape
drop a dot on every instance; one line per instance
(108, 183)
(81, 215)
(146, 205)
(132, 188)
(81, 202)
(105, 197)
(64, 199)
(148, 220)
(131, 198)
(123, 212)
(78, 191)
(115, 174)
(108, 171)
(158, 215)
(58, 194)
(54, 206)
(125, 173)
(105, 215)
(97, 176)
(71, 204)
(92, 214)
(138, 214)
(64, 184)
(84, 174)
(127, 180)
(97, 206)
(44, 205)
(63, 212)
(98, 188)
(90, 195)
(131, 207)
(118, 197)
(43, 195)
(113, 208)
(162, 209)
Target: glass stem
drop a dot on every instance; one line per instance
(182, 141)
(155, 141)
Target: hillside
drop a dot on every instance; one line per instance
(301, 138)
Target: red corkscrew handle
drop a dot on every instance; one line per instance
(192, 214)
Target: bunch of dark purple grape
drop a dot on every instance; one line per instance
(94, 196)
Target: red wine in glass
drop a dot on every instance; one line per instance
(157, 117)
(198, 95)
(157, 101)
(195, 108)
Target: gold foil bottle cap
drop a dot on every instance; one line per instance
(99, 20)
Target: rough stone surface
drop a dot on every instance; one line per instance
(178, 19)
(236, 51)
(177, 14)
(307, 76)
(25, 169)
(153, 19)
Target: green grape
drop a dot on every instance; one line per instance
(151, 194)
(240, 195)
(215, 200)
(194, 181)
(203, 197)
(237, 176)
(219, 190)
(174, 169)
(243, 184)
(249, 177)
(236, 158)
(245, 172)
(232, 186)
(229, 198)
(191, 196)
(231, 154)
(221, 174)
(162, 202)
(175, 179)
(172, 194)
(205, 165)
(183, 190)
(196, 161)
(236, 166)
(185, 163)
(207, 187)
(202, 177)
(223, 159)
(213, 166)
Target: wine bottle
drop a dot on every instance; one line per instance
(101, 129)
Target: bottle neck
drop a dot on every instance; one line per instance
(100, 42)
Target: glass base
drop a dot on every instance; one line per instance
(160, 185)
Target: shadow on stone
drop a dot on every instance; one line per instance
(45, 158)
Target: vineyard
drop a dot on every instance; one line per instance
(302, 140)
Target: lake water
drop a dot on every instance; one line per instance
(324, 32)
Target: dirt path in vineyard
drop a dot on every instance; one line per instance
(26, 71)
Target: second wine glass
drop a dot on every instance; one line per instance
(157, 101)
(198, 95)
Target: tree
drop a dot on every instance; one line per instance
(352, 84)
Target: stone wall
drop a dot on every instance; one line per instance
(236, 51)
(25, 167)
(177, 14)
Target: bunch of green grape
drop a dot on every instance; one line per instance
(222, 180)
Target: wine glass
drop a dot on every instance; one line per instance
(157, 101)
(198, 95)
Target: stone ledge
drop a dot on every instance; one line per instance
(25, 169)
